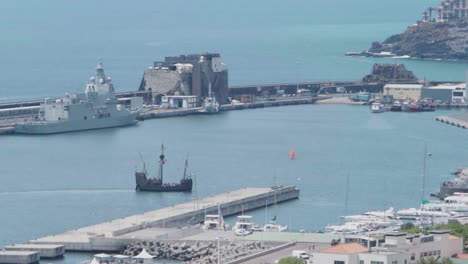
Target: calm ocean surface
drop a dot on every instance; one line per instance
(50, 184)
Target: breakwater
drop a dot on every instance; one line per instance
(460, 121)
(109, 236)
(199, 252)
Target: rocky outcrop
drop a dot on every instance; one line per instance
(197, 253)
(385, 73)
(429, 40)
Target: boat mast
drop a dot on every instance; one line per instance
(161, 162)
(144, 164)
(347, 195)
(424, 174)
(185, 168)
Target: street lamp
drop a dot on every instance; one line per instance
(219, 250)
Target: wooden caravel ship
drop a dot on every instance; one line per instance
(144, 183)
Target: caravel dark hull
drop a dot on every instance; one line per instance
(155, 185)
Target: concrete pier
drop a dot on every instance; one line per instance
(19, 257)
(45, 251)
(458, 120)
(109, 236)
(194, 111)
(277, 102)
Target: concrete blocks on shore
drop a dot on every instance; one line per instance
(198, 252)
(44, 250)
(454, 121)
(19, 257)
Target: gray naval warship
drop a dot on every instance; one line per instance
(96, 108)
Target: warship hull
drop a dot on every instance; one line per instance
(42, 128)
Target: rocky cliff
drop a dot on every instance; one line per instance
(385, 73)
(429, 40)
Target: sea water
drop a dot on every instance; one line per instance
(50, 184)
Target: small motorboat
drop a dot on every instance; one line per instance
(396, 107)
(377, 108)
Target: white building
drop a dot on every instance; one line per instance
(397, 248)
(401, 91)
(451, 93)
(179, 101)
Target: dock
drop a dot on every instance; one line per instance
(45, 251)
(110, 236)
(19, 257)
(277, 102)
(164, 113)
(457, 120)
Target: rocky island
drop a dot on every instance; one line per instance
(443, 37)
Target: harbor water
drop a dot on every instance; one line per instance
(51, 184)
(54, 183)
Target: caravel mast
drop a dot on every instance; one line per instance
(162, 161)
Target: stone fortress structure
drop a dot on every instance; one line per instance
(448, 10)
(186, 75)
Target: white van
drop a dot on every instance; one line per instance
(300, 254)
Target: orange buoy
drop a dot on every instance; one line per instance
(292, 154)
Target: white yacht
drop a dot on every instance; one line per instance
(446, 207)
(243, 226)
(348, 227)
(213, 222)
(414, 214)
(457, 198)
(272, 226)
(372, 215)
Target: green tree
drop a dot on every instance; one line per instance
(291, 260)
(446, 261)
(456, 229)
(410, 228)
(432, 260)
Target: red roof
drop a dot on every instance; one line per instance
(462, 256)
(453, 237)
(348, 248)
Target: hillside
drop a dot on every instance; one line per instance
(429, 40)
